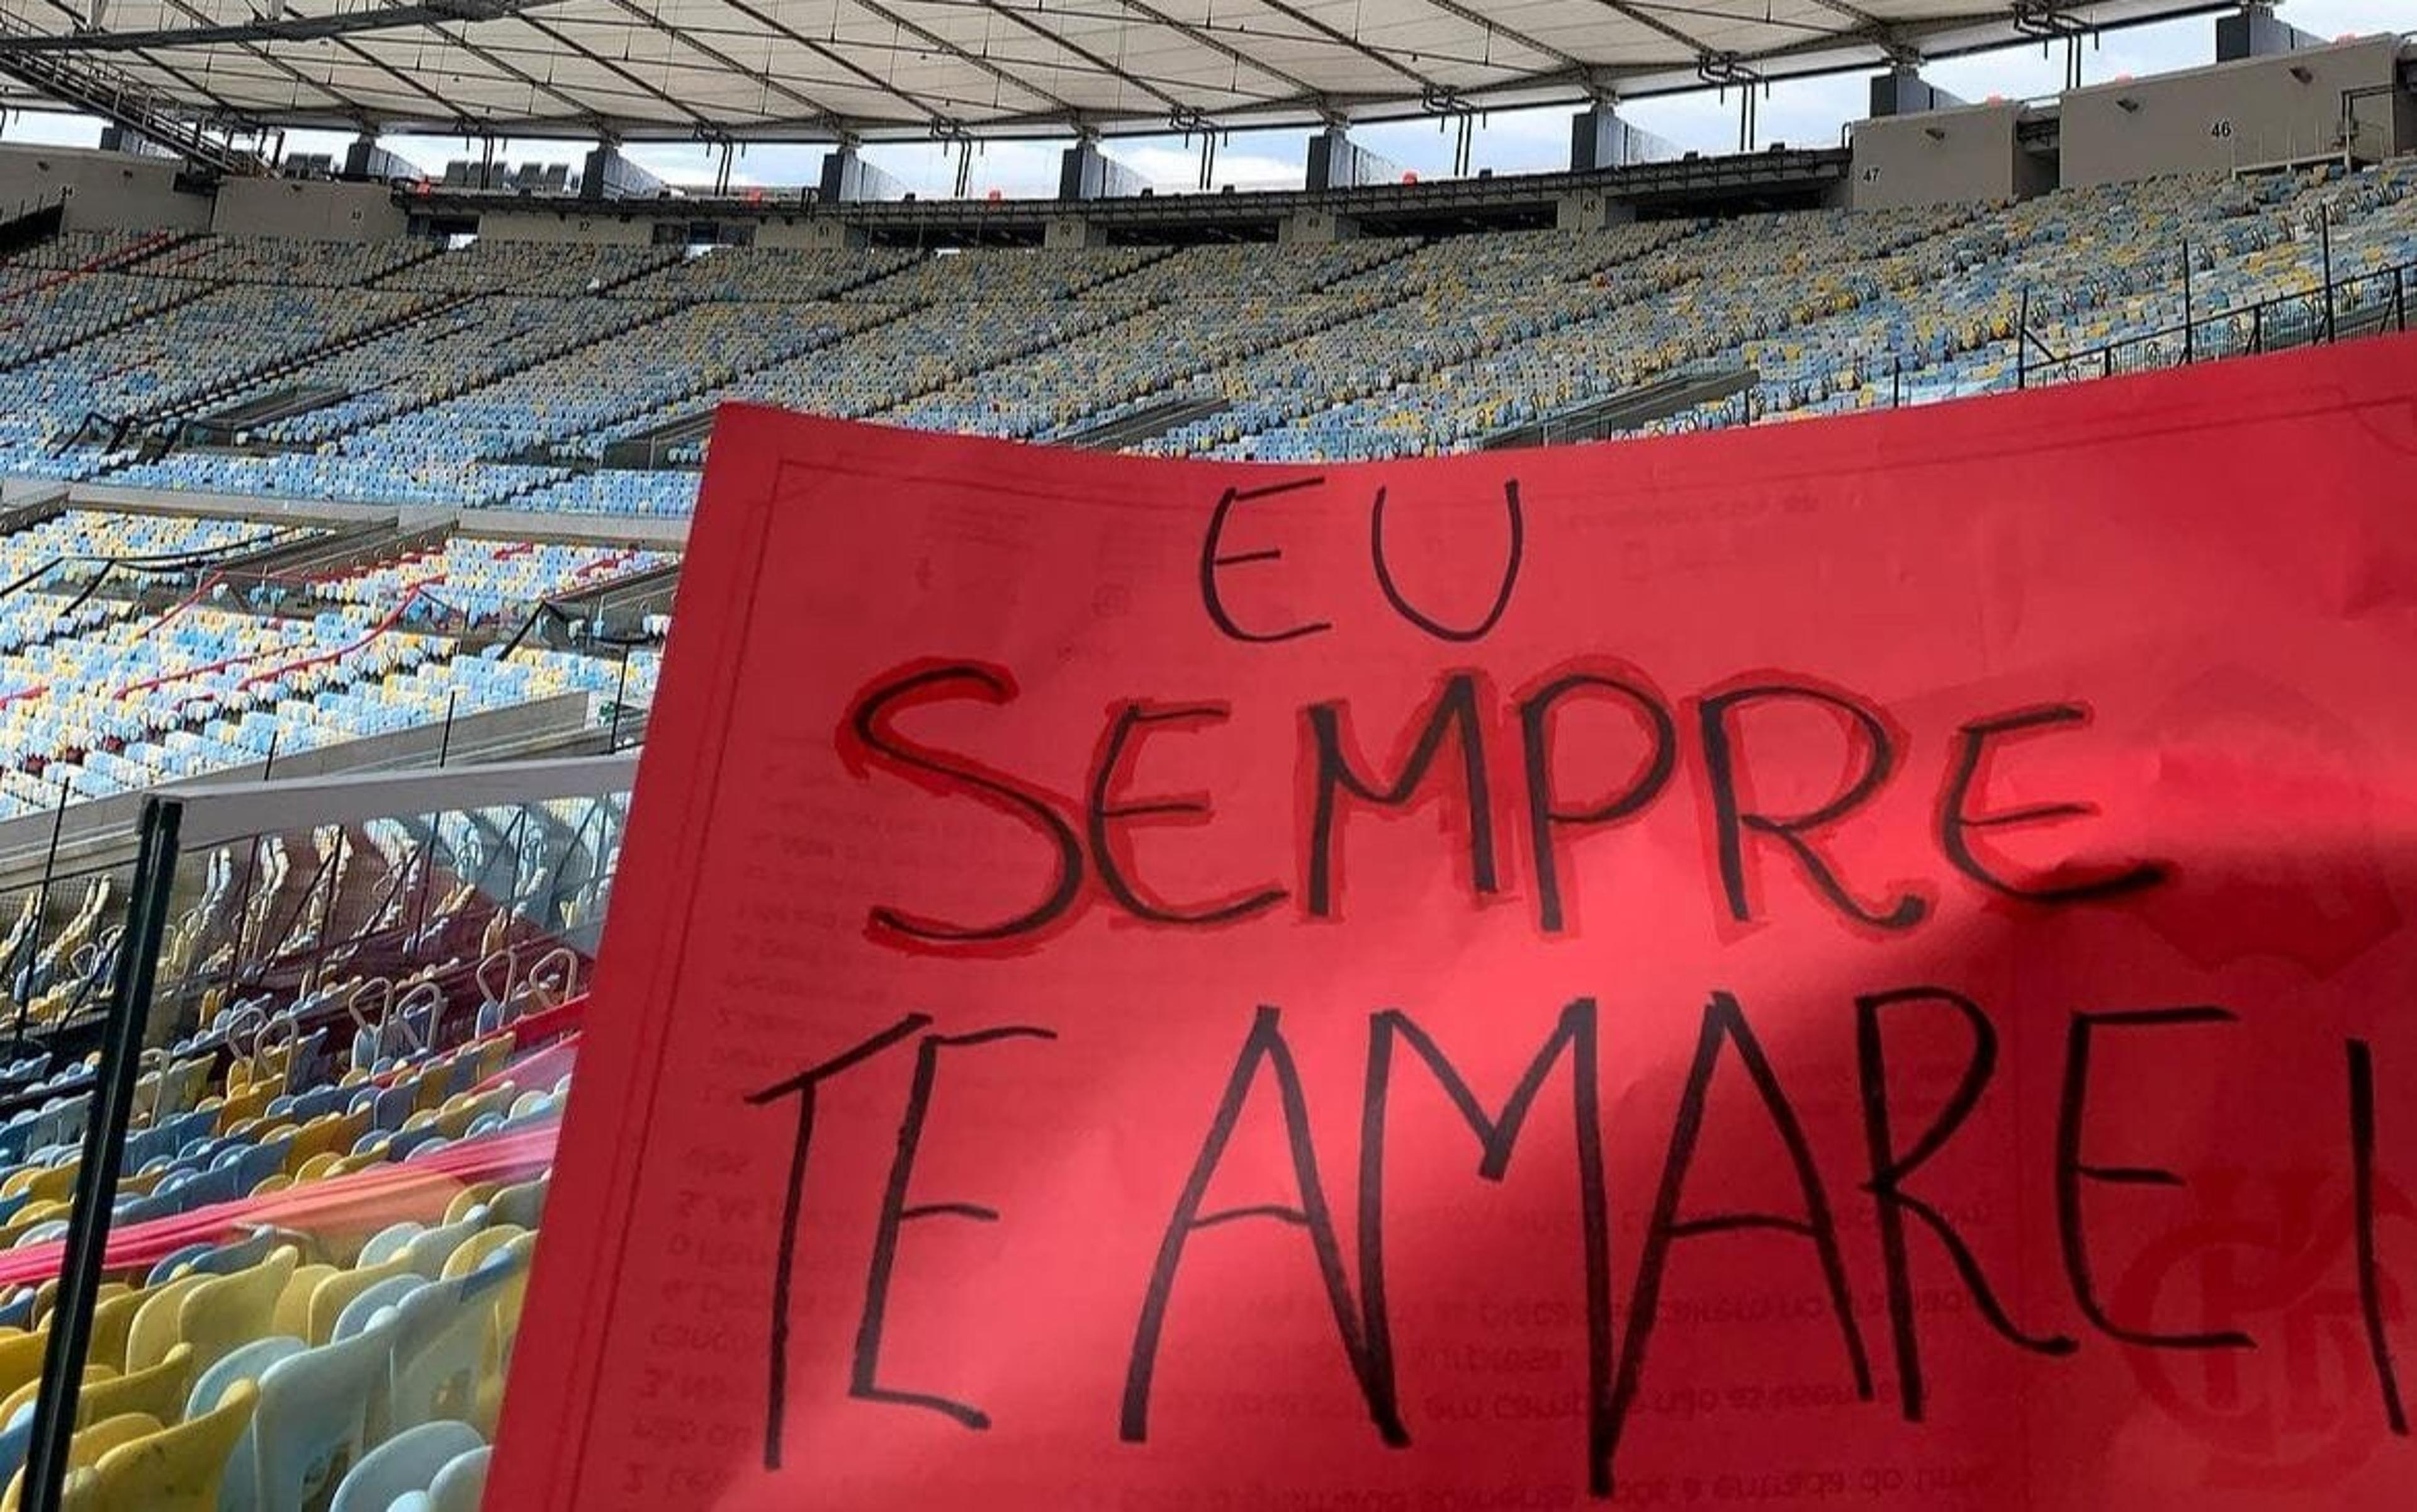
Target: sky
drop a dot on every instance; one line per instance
(1805, 112)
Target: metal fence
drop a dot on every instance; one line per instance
(312, 911)
(2356, 304)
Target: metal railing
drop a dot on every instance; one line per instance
(495, 867)
(2356, 304)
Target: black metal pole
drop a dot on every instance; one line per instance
(311, 980)
(2257, 327)
(32, 948)
(251, 868)
(518, 834)
(2325, 250)
(2399, 301)
(104, 1152)
(428, 849)
(2189, 336)
(243, 913)
(1896, 383)
(2023, 340)
(621, 693)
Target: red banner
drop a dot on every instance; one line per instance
(1858, 963)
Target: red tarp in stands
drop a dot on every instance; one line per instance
(364, 1200)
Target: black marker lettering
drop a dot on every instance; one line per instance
(2071, 1171)
(1891, 1170)
(1455, 707)
(1731, 822)
(1496, 1136)
(1544, 811)
(1724, 1023)
(896, 1213)
(1403, 606)
(1266, 1044)
(1104, 813)
(940, 772)
(1211, 561)
(803, 1085)
(1955, 821)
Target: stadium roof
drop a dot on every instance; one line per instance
(803, 69)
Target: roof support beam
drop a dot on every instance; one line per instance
(1375, 55)
(834, 58)
(272, 60)
(270, 29)
(1111, 69)
(1878, 30)
(764, 80)
(224, 106)
(942, 43)
(1830, 34)
(125, 103)
(1300, 87)
(1651, 22)
(521, 75)
(1451, 7)
(678, 107)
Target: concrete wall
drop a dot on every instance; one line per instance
(16, 492)
(307, 211)
(1070, 232)
(513, 525)
(233, 506)
(106, 191)
(2233, 114)
(650, 530)
(1943, 157)
(1589, 209)
(826, 232)
(1316, 226)
(102, 832)
(572, 224)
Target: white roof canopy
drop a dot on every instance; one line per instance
(802, 70)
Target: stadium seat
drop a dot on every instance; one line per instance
(316, 1408)
(410, 1461)
(168, 1469)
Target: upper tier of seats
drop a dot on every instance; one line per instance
(138, 649)
(557, 377)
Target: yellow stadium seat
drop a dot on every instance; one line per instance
(86, 1449)
(291, 1315)
(112, 1316)
(158, 1325)
(172, 1470)
(225, 1312)
(159, 1392)
(329, 1301)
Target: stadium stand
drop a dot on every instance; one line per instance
(141, 648)
(580, 379)
(323, 1248)
(365, 1030)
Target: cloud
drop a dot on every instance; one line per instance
(1015, 168)
(2330, 19)
(1173, 167)
(51, 130)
